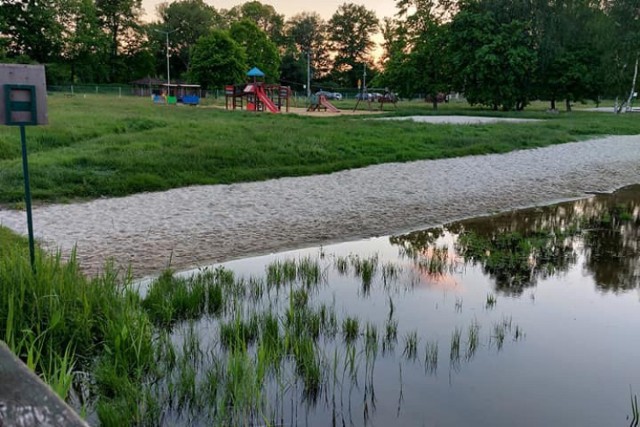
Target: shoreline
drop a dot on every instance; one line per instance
(201, 225)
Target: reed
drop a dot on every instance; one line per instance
(491, 301)
(411, 345)
(454, 352)
(350, 329)
(431, 357)
(473, 339)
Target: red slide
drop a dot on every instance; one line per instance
(268, 103)
(329, 106)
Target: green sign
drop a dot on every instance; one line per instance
(20, 105)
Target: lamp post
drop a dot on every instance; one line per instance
(308, 73)
(166, 33)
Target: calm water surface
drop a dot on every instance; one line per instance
(545, 301)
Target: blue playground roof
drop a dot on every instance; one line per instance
(255, 72)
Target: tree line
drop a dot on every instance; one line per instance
(498, 53)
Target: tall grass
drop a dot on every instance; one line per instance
(58, 322)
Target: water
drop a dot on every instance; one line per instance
(546, 303)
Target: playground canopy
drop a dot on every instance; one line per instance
(255, 72)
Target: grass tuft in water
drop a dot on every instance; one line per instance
(431, 357)
(473, 339)
(635, 414)
(350, 329)
(390, 335)
(454, 352)
(411, 345)
(491, 301)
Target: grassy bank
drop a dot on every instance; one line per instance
(69, 329)
(109, 146)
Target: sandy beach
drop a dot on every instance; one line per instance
(198, 225)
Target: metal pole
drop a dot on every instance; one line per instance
(27, 197)
(364, 79)
(166, 33)
(168, 76)
(308, 74)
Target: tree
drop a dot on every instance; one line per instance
(259, 50)
(293, 69)
(31, 28)
(493, 61)
(623, 49)
(119, 18)
(416, 46)
(188, 20)
(352, 27)
(216, 60)
(263, 15)
(569, 51)
(399, 74)
(86, 45)
(306, 33)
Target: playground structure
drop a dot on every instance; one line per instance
(385, 98)
(259, 95)
(319, 102)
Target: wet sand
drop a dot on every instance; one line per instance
(198, 225)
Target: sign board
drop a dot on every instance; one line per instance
(23, 95)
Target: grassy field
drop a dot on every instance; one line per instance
(108, 146)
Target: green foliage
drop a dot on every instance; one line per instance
(59, 322)
(493, 61)
(259, 50)
(351, 29)
(119, 18)
(307, 33)
(263, 15)
(217, 60)
(570, 65)
(33, 28)
(516, 260)
(87, 45)
(188, 20)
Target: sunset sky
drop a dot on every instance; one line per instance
(325, 8)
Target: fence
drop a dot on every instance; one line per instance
(120, 91)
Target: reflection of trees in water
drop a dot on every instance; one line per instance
(518, 248)
(611, 251)
(516, 261)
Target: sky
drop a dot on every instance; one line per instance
(325, 8)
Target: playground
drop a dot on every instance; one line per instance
(256, 95)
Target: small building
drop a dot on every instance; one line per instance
(151, 86)
(180, 90)
(147, 86)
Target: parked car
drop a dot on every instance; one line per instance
(364, 96)
(337, 96)
(328, 95)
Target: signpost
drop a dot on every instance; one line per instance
(23, 95)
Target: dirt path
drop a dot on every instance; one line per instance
(197, 225)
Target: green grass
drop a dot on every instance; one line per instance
(106, 146)
(59, 322)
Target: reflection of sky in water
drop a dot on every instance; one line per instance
(574, 366)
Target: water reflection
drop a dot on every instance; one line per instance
(517, 249)
(352, 334)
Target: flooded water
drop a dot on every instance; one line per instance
(529, 318)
